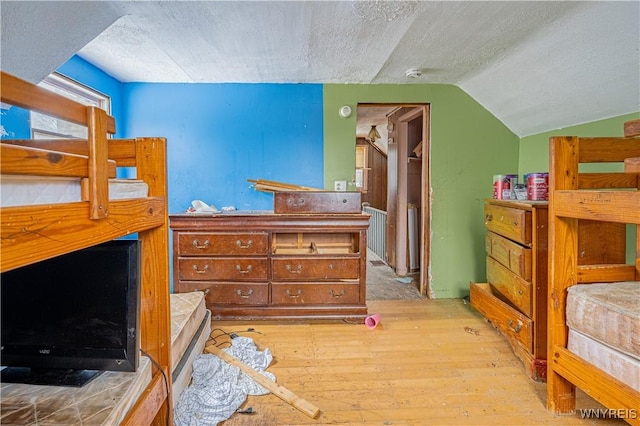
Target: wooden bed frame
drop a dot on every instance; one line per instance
(574, 196)
(34, 233)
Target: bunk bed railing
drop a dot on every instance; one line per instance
(23, 94)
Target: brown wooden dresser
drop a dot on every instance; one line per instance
(514, 298)
(263, 265)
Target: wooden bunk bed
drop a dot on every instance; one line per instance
(605, 197)
(32, 233)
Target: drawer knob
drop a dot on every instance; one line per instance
(290, 294)
(245, 296)
(294, 271)
(243, 271)
(516, 328)
(337, 295)
(244, 246)
(488, 218)
(197, 245)
(200, 271)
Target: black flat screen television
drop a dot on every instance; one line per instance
(67, 319)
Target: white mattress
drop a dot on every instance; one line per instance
(190, 330)
(187, 312)
(181, 376)
(615, 363)
(35, 190)
(608, 313)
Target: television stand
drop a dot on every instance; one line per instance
(48, 377)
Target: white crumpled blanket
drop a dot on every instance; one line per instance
(218, 389)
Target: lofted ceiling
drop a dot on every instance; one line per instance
(536, 66)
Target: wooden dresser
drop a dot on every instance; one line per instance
(262, 265)
(514, 298)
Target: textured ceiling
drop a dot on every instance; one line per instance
(536, 66)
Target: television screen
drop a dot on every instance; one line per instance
(71, 313)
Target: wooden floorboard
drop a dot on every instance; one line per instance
(423, 365)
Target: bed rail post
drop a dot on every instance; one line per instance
(98, 163)
(563, 244)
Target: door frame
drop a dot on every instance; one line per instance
(421, 109)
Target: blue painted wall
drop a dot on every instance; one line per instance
(14, 123)
(220, 135)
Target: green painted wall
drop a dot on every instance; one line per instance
(534, 153)
(468, 146)
(534, 150)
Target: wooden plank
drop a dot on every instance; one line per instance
(98, 178)
(18, 160)
(611, 206)
(596, 383)
(632, 128)
(121, 151)
(632, 165)
(599, 150)
(147, 406)
(37, 233)
(607, 180)
(606, 273)
(563, 246)
(280, 391)
(275, 186)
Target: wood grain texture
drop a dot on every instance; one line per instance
(294, 266)
(15, 91)
(568, 204)
(33, 233)
(41, 162)
(632, 128)
(419, 366)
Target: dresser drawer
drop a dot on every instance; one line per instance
(502, 315)
(512, 255)
(222, 269)
(308, 293)
(510, 285)
(217, 244)
(512, 223)
(230, 293)
(317, 202)
(314, 268)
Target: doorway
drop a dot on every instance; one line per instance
(403, 131)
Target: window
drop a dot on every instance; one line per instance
(361, 167)
(46, 127)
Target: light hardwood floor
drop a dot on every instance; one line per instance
(429, 362)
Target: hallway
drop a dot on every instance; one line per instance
(384, 284)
